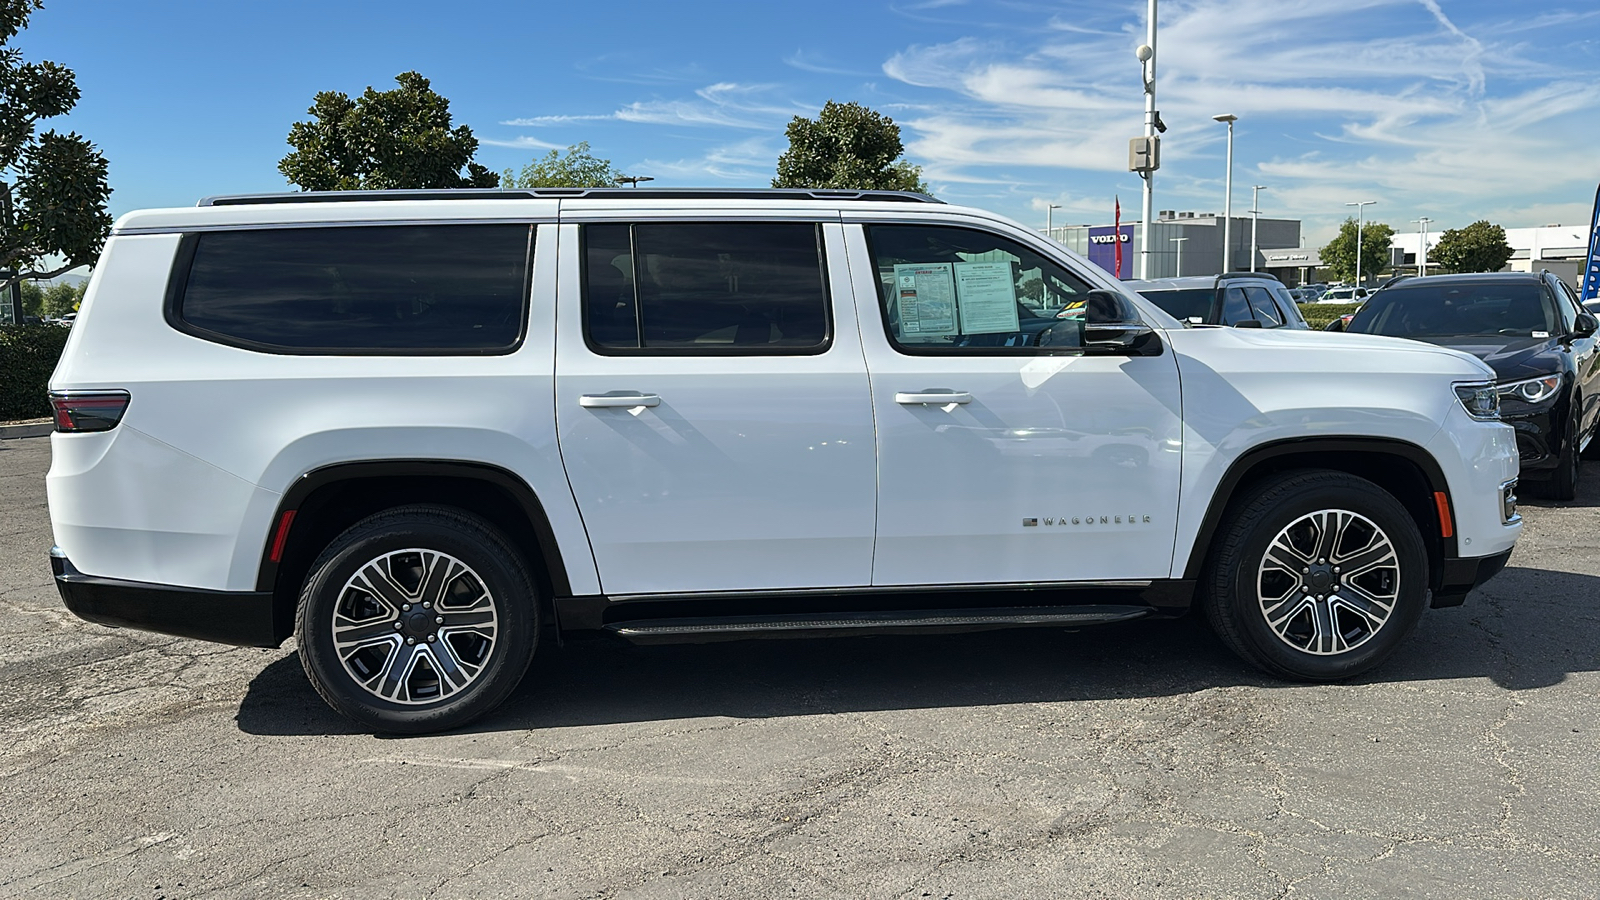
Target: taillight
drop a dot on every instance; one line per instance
(88, 410)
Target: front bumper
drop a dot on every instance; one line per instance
(1460, 576)
(244, 618)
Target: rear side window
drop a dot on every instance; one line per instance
(396, 290)
(705, 288)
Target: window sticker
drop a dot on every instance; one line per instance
(925, 299)
(987, 297)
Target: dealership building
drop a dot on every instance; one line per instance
(1562, 249)
(1186, 243)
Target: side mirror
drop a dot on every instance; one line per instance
(1335, 325)
(1585, 325)
(1111, 324)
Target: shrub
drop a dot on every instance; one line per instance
(1318, 315)
(28, 355)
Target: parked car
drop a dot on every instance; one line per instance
(1540, 341)
(1343, 295)
(419, 430)
(1239, 299)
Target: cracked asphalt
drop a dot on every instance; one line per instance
(1137, 761)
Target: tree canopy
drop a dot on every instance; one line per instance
(577, 168)
(847, 146)
(400, 138)
(1339, 256)
(53, 188)
(1479, 247)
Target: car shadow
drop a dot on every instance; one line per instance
(1526, 629)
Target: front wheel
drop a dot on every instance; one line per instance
(1317, 576)
(417, 619)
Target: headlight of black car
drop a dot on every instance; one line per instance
(1530, 390)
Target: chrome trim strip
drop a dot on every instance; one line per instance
(886, 589)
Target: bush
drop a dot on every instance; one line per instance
(28, 355)
(1318, 315)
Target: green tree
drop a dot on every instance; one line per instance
(1479, 247)
(578, 168)
(1339, 256)
(847, 146)
(32, 299)
(399, 138)
(60, 299)
(53, 188)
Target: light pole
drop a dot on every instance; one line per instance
(1146, 54)
(1359, 205)
(1048, 209)
(1227, 200)
(1179, 242)
(1422, 245)
(633, 179)
(1255, 219)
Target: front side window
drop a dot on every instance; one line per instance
(1262, 308)
(402, 290)
(1236, 307)
(701, 288)
(944, 288)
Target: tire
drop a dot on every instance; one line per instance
(368, 621)
(1563, 482)
(1290, 613)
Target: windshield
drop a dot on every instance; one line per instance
(1423, 310)
(1183, 304)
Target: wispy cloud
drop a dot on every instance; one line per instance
(522, 142)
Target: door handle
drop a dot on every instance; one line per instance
(628, 399)
(938, 397)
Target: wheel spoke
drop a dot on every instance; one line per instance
(376, 580)
(438, 571)
(468, 618)
(350, 635)
(1378, 553)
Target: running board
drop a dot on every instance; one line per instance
(939, 621)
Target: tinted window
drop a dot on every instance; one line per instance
(381, 289)
(1190, 303)
(1423, 310)
(748, 287)
(1262, 308)
(946, 288)
(1235, 308)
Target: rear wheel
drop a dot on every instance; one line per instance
(417, 619)
(1317, 576)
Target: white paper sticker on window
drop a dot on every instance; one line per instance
(987, 294)
(925, 299)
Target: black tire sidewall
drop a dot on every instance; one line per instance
(515, 606)
(1261, 522)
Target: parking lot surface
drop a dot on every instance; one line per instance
(1130, 761)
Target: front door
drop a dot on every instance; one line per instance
(712, 405)
(1006, 454)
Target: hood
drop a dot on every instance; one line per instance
(1350, 344)
(1511, 356)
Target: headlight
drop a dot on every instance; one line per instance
(1531, 390)
(1482, 401)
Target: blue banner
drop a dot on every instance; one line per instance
(1591, 270)
(1103, 249)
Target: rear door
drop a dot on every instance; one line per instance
(713, 410)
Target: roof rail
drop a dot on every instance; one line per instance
(570, 193)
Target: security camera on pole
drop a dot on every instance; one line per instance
(1144, 153)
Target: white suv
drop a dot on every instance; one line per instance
(416, 430)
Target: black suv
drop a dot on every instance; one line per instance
(1540, 341)
(1240, 299)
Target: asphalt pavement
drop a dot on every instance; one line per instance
(1138, 761)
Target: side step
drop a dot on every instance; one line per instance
(939, 621)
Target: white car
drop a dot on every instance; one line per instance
(1343, 295)
(418, 430)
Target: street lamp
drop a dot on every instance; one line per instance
(1146, 54)
(1227, 201)
(1048, 209)
(1422, 245)
(1255, 219)
(633, 179)
(1359, 205)
(1179, 242)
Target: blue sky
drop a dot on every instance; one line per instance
(1453, 109)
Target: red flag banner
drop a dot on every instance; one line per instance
(1118, 232)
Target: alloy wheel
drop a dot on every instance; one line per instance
(1328, 582)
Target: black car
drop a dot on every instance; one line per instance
(1240, 299)
(1538, 338)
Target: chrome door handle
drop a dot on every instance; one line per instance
(628, 399)
(936, 397)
